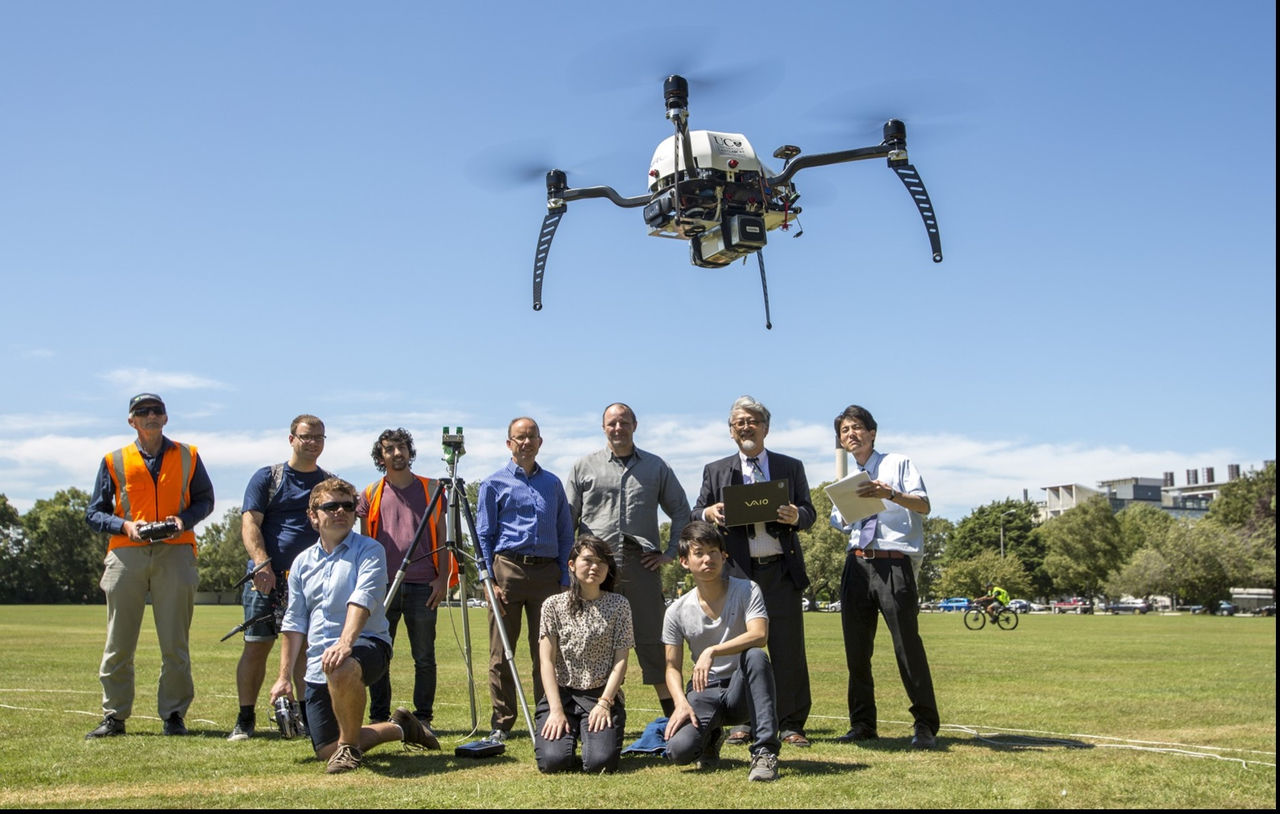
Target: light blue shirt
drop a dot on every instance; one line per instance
(897, 528)
(322, 584)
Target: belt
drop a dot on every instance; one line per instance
(769, 560)
(523, 559)
(878, 553)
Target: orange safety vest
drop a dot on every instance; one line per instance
(373, 496)
(142, 499)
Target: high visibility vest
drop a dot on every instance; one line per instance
(142, 499)
(373, 496)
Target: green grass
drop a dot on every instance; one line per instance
(1066, 711)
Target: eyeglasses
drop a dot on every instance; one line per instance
(743, 423)
(145, 411)
(523, 439)
(310, 439)
(334, 506)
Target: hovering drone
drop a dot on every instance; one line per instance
(728, 200)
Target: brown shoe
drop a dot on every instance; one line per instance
(415, 732)
(345, 759)
(797, 739)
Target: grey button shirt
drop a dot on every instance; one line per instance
(613, 500)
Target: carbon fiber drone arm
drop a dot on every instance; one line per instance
(823, 159)
(557, 197)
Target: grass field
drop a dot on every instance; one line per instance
(1066, 711)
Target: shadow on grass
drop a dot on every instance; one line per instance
(1024, 743)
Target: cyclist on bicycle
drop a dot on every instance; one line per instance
(995, 600)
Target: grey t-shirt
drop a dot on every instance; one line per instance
(685, 622)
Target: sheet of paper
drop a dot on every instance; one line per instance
(844, 494)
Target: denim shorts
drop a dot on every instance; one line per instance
(255, 605)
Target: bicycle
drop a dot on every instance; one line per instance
(976, 618)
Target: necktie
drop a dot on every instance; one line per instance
(867, 535)
(757, 474)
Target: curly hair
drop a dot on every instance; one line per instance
(398, 435)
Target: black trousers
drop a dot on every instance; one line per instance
(784, 602)
(870, 589)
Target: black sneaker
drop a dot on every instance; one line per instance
(243, 731)
(173, 725)
(858, 732)
(110, 727)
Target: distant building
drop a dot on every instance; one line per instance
(1190, 500)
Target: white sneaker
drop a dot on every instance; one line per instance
(498, 736)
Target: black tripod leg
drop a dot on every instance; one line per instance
(487, 579)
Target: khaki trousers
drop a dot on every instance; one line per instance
(168, 572)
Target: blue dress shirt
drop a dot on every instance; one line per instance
(526, 515)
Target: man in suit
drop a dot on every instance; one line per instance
(769, 554)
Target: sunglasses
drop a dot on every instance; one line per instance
(336, 505)
(142, 411)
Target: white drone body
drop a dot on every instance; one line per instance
(725, 204)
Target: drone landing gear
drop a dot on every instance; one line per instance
(915, 187)
(549, 224)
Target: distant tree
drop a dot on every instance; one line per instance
(1145, 574)
(1205, 561)
(19, 581)
(1142, 526)
(221, 556)
(970, 577)
(1082, 547)
(980, 531)
(937, 535)
(64, 552)
(1248, 502)
(1247, 508)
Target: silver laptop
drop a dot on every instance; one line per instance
(755, 502)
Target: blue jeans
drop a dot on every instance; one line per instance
(420, 624)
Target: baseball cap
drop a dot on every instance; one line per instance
(143, 398)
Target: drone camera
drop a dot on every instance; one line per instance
(746, 232)
(657, 211)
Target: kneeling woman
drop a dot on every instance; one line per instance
(585, 635)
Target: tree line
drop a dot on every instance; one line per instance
(50, 555)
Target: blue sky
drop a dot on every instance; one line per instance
(263, 209)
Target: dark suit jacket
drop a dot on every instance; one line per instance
(728, 472)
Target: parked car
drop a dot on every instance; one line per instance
(955, 603)
(1226, 609)
(833, 607)
(1076, 604)
(1265, 610)
(1129, 606)
(1020, 605)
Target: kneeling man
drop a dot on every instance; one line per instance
(336, 593)
(725, 623)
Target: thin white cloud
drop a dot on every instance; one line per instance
(140, 378)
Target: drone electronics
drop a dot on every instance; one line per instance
(728, 200)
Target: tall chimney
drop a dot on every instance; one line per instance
(1208, 474)
(1193, 477)
(842, 463)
